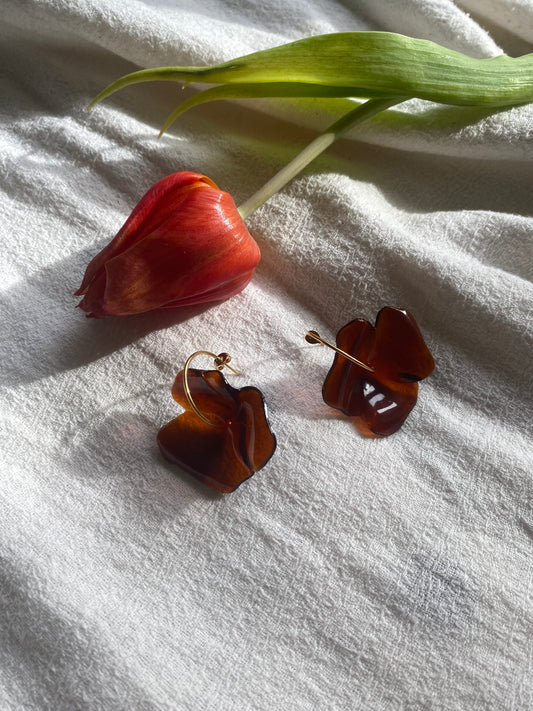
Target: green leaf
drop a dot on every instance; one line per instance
(359, 65)
(274, 90)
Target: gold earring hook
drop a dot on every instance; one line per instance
(221, 361)
(314, 337)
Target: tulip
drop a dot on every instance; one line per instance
(184, 244)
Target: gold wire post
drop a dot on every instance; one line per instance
(221, 361)
(314, 337)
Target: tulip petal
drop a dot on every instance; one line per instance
(156, 205)
(221, 292)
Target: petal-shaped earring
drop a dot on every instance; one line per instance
(223, 437)
(376, 368)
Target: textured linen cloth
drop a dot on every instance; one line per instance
(349, 573)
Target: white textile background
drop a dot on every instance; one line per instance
(349, 573)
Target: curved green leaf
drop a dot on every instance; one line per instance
(284, 90)
(381, 64)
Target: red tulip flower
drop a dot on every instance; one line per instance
(185, 243)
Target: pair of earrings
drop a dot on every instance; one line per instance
(223, 437)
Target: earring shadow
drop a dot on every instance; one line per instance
(122, 449)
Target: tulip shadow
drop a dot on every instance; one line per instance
(56, 69)
(418, 182)
(45, 334)
(461, 180)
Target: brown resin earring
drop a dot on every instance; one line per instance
(223, 437)
(375, 371)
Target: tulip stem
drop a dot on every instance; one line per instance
(315, 148)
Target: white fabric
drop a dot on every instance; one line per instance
(349, 573)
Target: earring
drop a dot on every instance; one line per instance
(375, 371)
(223, 437)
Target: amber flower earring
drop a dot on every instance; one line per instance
(223, 437)
(375, 371)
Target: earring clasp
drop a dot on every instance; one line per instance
(314, 337)
(221, 361)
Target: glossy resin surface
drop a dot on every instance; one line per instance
(395, 348)
(224, 454)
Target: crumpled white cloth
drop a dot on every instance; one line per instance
(349, 573)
